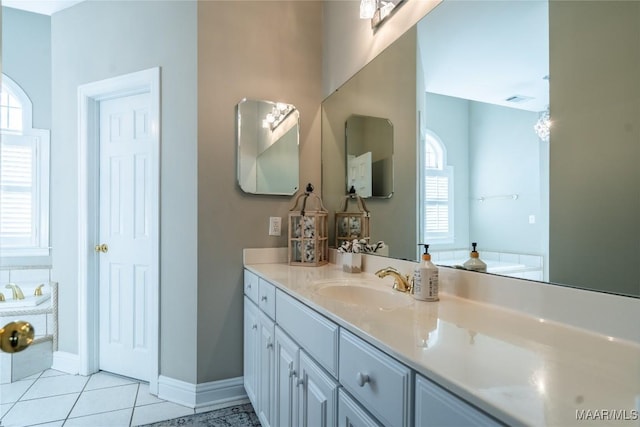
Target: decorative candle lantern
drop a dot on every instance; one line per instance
(352, 224)
(308, 237)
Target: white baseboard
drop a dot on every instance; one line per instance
(214, 393)
(66, 362)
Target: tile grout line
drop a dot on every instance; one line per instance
(13, 404)
(133, 410)
(84, 389)
(77, 398)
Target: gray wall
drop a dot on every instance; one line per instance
(259, 50)
(26, 58)
(504, 159)
(595, 145)
(96, 40)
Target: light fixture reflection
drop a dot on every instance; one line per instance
(278, 113)
(543, 126)
(367, 8)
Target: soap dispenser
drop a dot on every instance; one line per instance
(425, 278)
(475, 263)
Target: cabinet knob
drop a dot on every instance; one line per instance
(264, 298)
(292, 373)
(254, 326)
(300, 382)
(269, 344)
(362, 379)
(249, 286)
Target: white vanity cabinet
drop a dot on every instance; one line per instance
(438, 408)
(302, 369)
(259, 330)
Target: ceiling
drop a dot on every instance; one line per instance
(43, 7)
(488, 51)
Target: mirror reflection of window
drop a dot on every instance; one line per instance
(436, 204)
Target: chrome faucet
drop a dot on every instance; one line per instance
(401, 283)
(17, 292)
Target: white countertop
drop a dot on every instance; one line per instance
(520, 369)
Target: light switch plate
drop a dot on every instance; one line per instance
(275, 226)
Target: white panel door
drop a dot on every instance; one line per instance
(126, 206)
(360, 176)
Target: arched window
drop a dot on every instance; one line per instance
(436, 191)
(10, 111)
(24, 176)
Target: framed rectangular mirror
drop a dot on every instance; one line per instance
(267, 137)
(369, 150)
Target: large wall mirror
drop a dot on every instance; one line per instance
(267, 136)
(473, 81)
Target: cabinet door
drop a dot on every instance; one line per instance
(437, 407)
(286, 375)
(317, 395)
(250, 352)
(351, 414)
(265, 368)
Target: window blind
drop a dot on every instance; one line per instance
(17, 191)
(437, 204)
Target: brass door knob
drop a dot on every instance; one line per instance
(16, 336)
(102, 248)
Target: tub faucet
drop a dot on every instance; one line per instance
(1, 297)
(17, 292)
(401, 283)
(38, 291)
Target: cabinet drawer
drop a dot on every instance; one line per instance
(251, 286)
(380, 383)
(437, 407)
(312, 331)
(267, 298)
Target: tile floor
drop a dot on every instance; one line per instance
(55, 399)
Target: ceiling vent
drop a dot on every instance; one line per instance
(519, 99)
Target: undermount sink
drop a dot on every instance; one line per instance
(361, 294)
